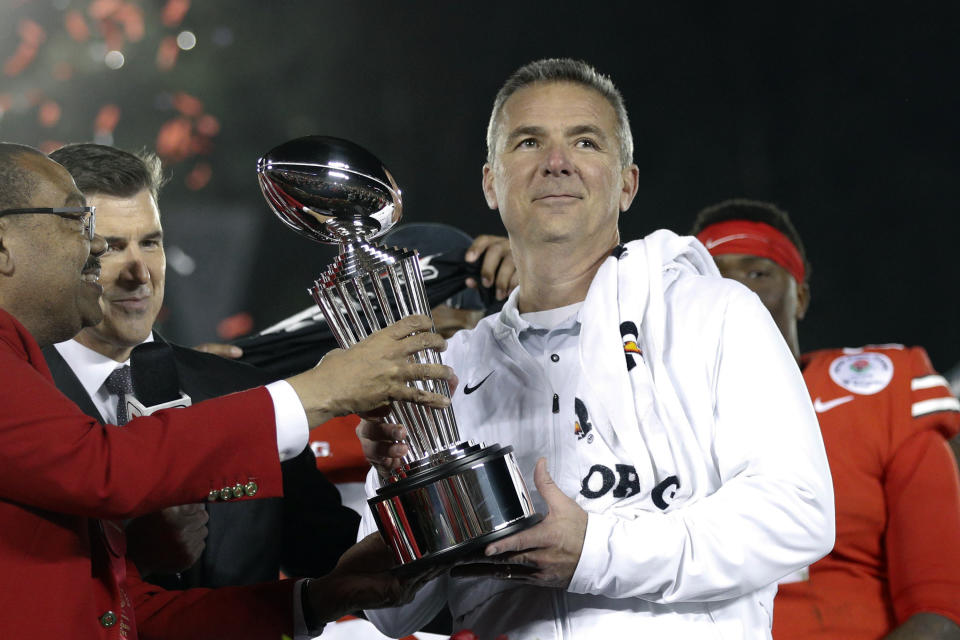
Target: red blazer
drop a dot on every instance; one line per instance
(61, 473)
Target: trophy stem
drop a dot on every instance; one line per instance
(367, 288)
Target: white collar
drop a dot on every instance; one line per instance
(90, 367)
(547, 319)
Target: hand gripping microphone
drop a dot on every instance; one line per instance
(156, 383)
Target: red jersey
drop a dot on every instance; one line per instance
(885, 416)
(338, 451)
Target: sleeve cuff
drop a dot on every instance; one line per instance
(300, 631)
(293, 431)
(593, 556)
(372, 483)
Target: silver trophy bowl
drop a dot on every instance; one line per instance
(450, 497)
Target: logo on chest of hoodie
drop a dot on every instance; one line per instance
(632, 351)
(582, 426)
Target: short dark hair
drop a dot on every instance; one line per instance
(17, 183)
(99, 169)
(754, 211)
(578, 72)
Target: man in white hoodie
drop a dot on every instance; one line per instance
(686, 470)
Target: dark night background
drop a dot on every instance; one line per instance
(845, 116)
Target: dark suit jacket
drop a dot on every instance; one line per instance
(303, 533)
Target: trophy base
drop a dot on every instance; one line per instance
(447, 511)
(464, 551)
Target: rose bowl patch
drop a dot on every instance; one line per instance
(863, 373)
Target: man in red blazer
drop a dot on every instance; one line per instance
(65, 479)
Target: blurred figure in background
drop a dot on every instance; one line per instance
(885, 416)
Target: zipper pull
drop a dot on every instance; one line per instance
(556, 403)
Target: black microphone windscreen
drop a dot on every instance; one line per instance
(154, 373)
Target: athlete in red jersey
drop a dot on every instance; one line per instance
(886, 417)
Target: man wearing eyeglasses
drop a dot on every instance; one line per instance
(85, 215)
(66, 480)
(66, 209)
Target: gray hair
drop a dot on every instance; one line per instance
(551, 70)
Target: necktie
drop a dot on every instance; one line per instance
(120, 383)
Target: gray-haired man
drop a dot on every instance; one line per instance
(687, 470)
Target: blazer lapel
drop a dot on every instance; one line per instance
(68, 383)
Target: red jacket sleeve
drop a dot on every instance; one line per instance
(58, 459)
(250, 612)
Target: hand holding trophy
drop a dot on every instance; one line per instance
(450, 497)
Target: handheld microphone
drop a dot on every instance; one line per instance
(156, 383)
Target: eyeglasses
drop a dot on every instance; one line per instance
(87, 215)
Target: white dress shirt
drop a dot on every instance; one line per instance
(92, 369)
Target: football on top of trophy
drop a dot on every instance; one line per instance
(329, 189)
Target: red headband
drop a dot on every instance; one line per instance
(754, 239)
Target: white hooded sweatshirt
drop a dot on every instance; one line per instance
(670, 408)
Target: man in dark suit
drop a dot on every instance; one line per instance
(221, 544)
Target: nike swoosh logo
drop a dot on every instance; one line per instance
(468, 389)
(821, 407)
(712, 243)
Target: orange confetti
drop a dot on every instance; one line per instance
(167, 53)
(112, 35)
(77, 26)
(107, 119)
(131, 17)
(235, 326)
(174, 11)
(187, 104)
(199, 145)
(173, 139)
(103, 9)
(31, 36)
(208, 126)
(49, 113)
(31, 32)
(19, 61)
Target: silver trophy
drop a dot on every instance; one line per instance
(450, 497)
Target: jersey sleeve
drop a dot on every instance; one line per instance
(931, 405)
(923, 499)
(922, 492)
